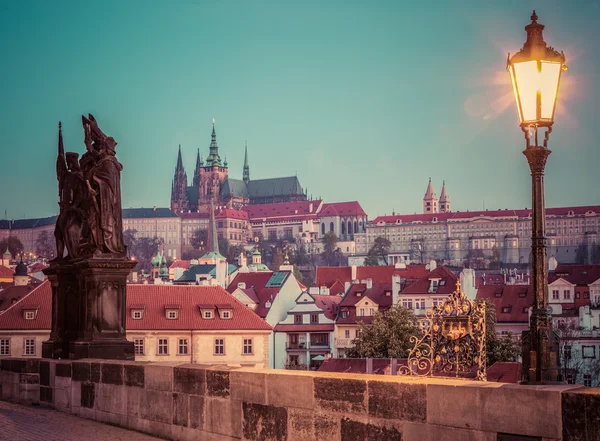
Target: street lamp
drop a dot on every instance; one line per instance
(535, 72)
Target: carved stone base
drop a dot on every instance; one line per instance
(549, 373)
(112, 350)
(88, 309)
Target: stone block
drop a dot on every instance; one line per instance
(134, 375)
(157, 406)
(265, 423)
(250, 387)
(189, 380)
(110, 398)
(17, 366)
(196, 412)
(223, 416)
(75, 394)
(155, 428)
(506, 408)
(158, 377)
(134, 401)
(62, 382)
(32, 366)
(300, 425)
(112, 373)
(357, 431)
(290, 391)
(181, 409)
(397, 401)
(45, 373)
(87, 395)
(431, 432)
(62, 398)
(30, 379)
(63, 370)
(29, 393)
(111, 418)
(217, 383)
(581, 414)
(341, 395)
(46, 395)
(81, 371)
(95, 372)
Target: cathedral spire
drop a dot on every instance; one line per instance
(213, 238)
(199, 165)
(246, 175)
(213, 159)
(430, 200)
(444, 200)
(179, 160)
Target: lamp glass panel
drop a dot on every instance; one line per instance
(549, 77)
(514, 83)
(526, 76)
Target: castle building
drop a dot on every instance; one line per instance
(211, 183)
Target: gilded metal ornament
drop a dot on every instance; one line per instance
(453, 340)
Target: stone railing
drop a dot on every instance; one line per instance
(189, 402)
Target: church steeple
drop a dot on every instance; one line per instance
(179, 160)
(246, 175)
(199, 165)
(179, 199)
(213, 159)
(444, 200)
(430, 200)
(213, 237)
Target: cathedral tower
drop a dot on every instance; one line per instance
(246, 176)
(199, 165)
(211, 175)
(179, 199)
(430, 200)
(444, 200)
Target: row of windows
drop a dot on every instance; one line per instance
(28, 346)
(173, 314)
(183, 346)
(314, 318)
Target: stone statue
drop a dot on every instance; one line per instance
(90, 221)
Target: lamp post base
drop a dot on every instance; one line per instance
(535, 371)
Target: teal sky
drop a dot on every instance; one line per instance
(363, 100)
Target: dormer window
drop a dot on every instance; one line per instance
(433, 285)
(172, 314)
(225, 312)
(207, 315)
(344, 314)
(30, 315)
(506, 309)
(137, 314)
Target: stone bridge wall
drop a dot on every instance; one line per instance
(190, 402)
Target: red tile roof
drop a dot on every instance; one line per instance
(229, 213)
(577, 274)
(257, 282)
(40, 299)
(458, 215)
(505, 372)
(518, 298)
(352, 208)
(304, 328)
(421, 285)
(36, 268)
(329, 304)
(329, 275)
(357, 292)
(12, 294)
(185, 264)
(6, 273)
(283, 210)
(156, 298)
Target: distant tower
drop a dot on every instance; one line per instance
(211, 176)
(444, 200)
(430, 200)
(246, 175)
(20, 277)
(199, 165)
(213, 160)
(179, 199)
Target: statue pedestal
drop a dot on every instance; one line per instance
(89, 309)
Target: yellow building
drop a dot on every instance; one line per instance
(193, 324)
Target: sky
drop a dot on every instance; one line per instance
(362, 100)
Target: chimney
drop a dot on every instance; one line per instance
(347, 286)
(369, 283)
(310, 207)
(400, 265)
(354, 272)
(396, 286)
(155, 208)
(221, 272)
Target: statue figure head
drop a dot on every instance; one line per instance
(72, 159)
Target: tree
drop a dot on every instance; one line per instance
(387, 336)
(45, 245)
(495, 261)
(581, 254)
(277, 260)
(476, 259)
(329, 241)
(223, 246)
(498, 348)
(299, 256)
(233, 252)
(378, 252)
(199, 238)
(14, 245)
(595, 255)
(417, 251)
(130, 241)
(147, 247)
(192, 254)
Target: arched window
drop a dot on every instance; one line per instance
(331, 226)
(322, 228)
(355, 227)
(349, 227)
(343, 228)
(360, 224)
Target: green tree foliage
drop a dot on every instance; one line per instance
(581, 254)
(129, 238)
(329, 253)
(378, 252)
(299, 256)
(476, 259)
(498, 348)
(199, 239)
(277, 260)
(387, 336)
(223, 246)
(14, 245)
(45, 246)
(192, 254)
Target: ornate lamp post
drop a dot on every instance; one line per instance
(535, 72)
